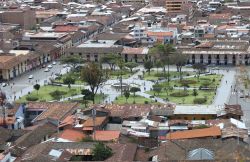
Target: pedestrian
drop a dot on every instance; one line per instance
(144, 88)
(226, 82)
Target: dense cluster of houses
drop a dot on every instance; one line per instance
(58, 131)
(34, 33)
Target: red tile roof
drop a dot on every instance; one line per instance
(72, 135)
(196, 133)
(107, 135)
(98, 121)
(69, 120)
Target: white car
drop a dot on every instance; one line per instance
(65, 65)
(31, 77)
(4, 84)
(54, 63)
(46, 70)
(50, 66)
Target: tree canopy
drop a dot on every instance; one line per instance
(110, 59)
(148, 65)
(101, 152)
(69, 80)
(94, 76)
(72, 60)
(161, 52)
(131, 65)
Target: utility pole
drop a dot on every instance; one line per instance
(94, 116)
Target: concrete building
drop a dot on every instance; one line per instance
(26, 18)
(16, 62)
(220, 52)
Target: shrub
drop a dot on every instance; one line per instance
(186, 82)
(56, 95)
(146, 102)
(179, 94)
(200, 100)
(31, 98)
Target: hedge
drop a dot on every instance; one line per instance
(200, 100)
(179, 94)
(31, 98)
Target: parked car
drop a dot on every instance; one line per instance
(43, 66)
(46, 70)
(31, 77)
(4, 84)
(188, 65)
(65, 65)
(54, 63)
(50, 66)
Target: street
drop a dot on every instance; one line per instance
(22, 85)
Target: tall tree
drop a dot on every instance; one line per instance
(94, 76)
(131, 65)
(126, 94)
(179, 60)
(37, 87)
(87, 95)
(134, 90)
(69, 80)
(157, 88)
(72, 60)
(199, 67)
(148, 65)
(120, 63)
(111, 60)
(162, 53)
(158, 64)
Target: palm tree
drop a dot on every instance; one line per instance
(162, 52)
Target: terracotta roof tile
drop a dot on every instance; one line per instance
(107, 135)
(98, 121)
(72, 135)
(196, 133)
(53, 110)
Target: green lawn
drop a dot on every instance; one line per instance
(43, 93)
(154, 75)
(138, 100)
(187, 99)
(75, 75)
(125, 74)
(98, 99)
(211, 81)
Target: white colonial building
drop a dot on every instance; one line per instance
(219, 52)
